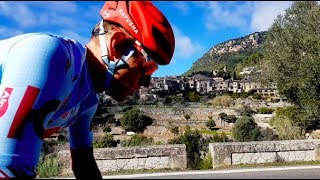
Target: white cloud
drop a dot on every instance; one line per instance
(72, 35)
(264, 13)
(227, 14)
(184, 47)
(183, 7)
(19, 12)
(252, 15)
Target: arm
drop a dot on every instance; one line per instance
(84, 164)
(81, 136)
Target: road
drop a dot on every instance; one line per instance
(294, 172)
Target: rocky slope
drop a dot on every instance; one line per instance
(228, 53)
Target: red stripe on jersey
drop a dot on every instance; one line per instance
(24, 109)
(4, 174)
(4, 100)
(48, 132)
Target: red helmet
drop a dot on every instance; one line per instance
(145, 23)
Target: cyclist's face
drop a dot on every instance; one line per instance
(129, 79)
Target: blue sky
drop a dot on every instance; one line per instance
(197, 25)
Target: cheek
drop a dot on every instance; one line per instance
(129, 78)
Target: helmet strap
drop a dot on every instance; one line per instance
(112, 65)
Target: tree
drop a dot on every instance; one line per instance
(106, 141)
(245, 129)
(246, 111)
(187, 116)
(224, 101)
(107, 129)
(174, 130)
(231, 119)
(291, 58)
(210, 124)
(192, 140)
(193, 96)
(134, 120)
(223, 116)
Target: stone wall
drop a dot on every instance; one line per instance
(149, 157)
(230, 153)
(198, 115)
(175, 115)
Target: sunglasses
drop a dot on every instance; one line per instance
(149, 66)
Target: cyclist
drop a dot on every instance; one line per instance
(49, 82)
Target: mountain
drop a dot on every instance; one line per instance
(228, 54)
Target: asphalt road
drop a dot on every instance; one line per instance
(295, 172)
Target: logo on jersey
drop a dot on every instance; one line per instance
(4, 100)
(68, 113)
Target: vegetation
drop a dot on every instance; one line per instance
(206, 163)
(107, 129)
(48, 166)
(285, 127)
(264, 110)
(223, 101)
(246, 111)
(174, 130)
(193, 96)
(228, 118)
(134, 120)
(211, 124)
(245, 129)
(137, 140)
(291, 60)
(187, 116)
(106, 141)
(212, 61)
(191, 138)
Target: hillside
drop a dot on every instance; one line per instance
(228, 53)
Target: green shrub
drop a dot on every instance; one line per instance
(193, 96)
(264, 110)
(48, 166)
(246, 111)
(285, 129)
(106, 141)
(109, 118)
(137, 140)
(211, 124)
(107, 129)
(192, 140)
(223, 101)
(231, 119)
(206, 162)
(187, 116)
(256, 96)
(134, 120)
(219, 137)
(268, 135)
(174, 130)
(245, 129)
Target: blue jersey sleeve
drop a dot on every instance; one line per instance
(80, 132)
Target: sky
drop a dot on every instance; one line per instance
(197, 25)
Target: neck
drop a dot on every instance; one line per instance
(97, 70)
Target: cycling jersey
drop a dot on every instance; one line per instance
(44, 86)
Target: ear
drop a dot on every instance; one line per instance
(119, 42)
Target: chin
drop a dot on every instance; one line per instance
(119, 98)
